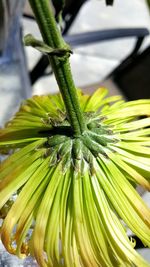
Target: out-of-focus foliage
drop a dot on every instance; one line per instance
(148, 2)
(58, 5)
(109, 2)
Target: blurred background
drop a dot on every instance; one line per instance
(114, 33)
(111, 46)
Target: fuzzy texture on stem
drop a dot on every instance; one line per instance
(61, 67)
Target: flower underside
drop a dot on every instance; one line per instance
(68, 200)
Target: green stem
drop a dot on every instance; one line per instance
(52, 37)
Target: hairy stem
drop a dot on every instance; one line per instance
(61, 67)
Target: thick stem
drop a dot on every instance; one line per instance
(52, 37)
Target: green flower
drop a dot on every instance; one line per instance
(66, 200)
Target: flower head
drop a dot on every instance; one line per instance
(68, 200)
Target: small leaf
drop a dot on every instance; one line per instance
(29, 40)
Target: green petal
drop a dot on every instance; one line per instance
(8, 165)
(23, 198)
(133, 175)
(84, 246)
(114, 231)
(137, 221)
(94, 102)
(134, 125)
(40, 234)
(142, 164)
(94, 225)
